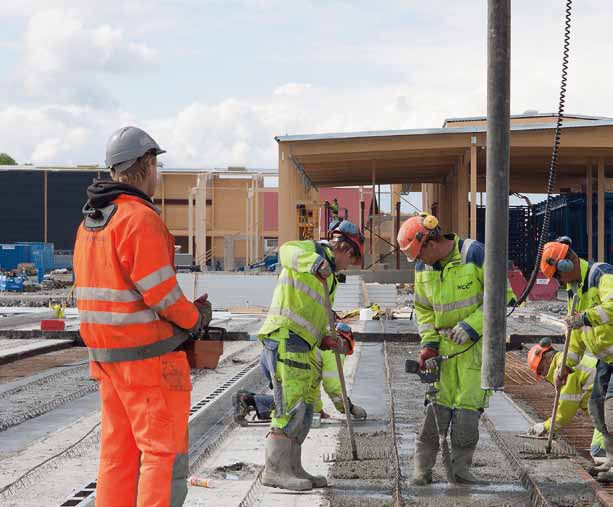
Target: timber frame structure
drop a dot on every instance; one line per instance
(449, 164)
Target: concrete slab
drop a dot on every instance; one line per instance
(383, 294)
(12, 350)
(228, 290)
(369, 388)
(13, 319)
(506, 415)
(247, 445)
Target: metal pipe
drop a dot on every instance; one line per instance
(497, 189)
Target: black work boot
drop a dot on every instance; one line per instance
(243, 403)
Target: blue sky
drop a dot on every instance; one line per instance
(215, 81)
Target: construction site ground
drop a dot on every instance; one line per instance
(234, 458)
(50, 413)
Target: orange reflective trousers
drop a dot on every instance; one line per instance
(144, 441)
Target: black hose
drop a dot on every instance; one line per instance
(553, 165)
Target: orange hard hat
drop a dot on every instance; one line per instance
(536, 354)
(414, 232)
(553, 252)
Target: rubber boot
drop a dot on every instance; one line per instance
(318, 481)
(427, 444)
(278, 471)
(461, 459)
(608, 463)
(424, 460)
(464, 439)
(605, 473)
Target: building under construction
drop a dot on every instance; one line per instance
(229, 220)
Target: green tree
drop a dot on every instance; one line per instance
(6, 159)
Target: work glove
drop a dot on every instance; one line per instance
(205, 309)
(357, 412)
(459, 335)
(576, 321)
(561, 375)
(427, 359)
(324, 270)
(339, 344)
(538, 430)
(344, 331)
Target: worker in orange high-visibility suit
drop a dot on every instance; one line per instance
(134, 320)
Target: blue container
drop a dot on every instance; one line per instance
(41, 255)
(11, 283)
(13, 254)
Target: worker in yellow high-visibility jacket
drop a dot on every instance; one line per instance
(575, 393)
(448, 306)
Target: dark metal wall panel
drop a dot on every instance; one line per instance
(21, 206)
(66, 195)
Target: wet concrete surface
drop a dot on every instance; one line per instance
(370, 482)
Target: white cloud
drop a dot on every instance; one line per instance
(68, 60)
(407, 76)
(292, 89)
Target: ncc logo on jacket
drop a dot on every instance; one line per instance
(465, 286)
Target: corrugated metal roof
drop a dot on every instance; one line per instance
(528, 115)
(436, 131)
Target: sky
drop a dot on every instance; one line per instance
(213, 81)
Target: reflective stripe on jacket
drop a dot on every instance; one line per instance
(450, 294)
(576, 393)
(596, 300)
(298, 301)
(326, 373)
(129, 302)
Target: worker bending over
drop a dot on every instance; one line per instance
(134, 320)
(448, 307)
(326, 374)
(592, 330)
(543, 360)
(297, 323)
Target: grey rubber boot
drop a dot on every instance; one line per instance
(605, 471)
(278, 471)
(318, 481)
(427, 444)
(464, 439)
(596, 408)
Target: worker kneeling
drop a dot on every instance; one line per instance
(297, 323)
(543, 360)
(592, 329)
(448, 307)
(323, 363)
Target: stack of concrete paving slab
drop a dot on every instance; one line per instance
(350, 295)
(383, 294)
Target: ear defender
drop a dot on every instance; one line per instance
(565, 266)
(430, 222)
